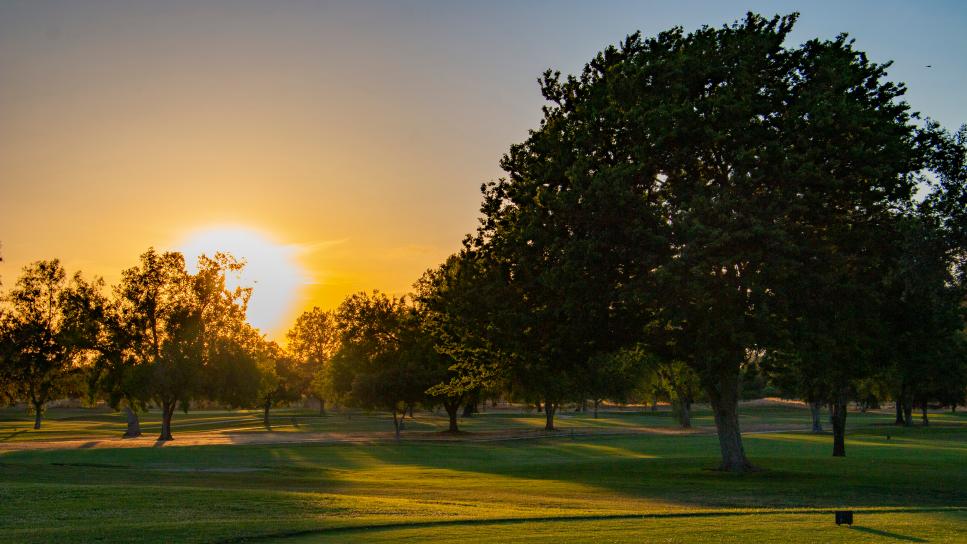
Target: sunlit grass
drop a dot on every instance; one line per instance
(622, 488)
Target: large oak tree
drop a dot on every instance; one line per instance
(686, 183)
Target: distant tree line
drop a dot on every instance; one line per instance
(695, 215)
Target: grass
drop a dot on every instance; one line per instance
(906, 484)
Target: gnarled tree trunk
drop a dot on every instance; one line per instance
(134, 424)
(167, 410)
(724, 398)
(549, 409)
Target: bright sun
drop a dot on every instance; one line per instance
(270, 268)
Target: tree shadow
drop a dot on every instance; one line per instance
(12, 435)
(887, 534)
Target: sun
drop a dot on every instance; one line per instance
(271, 269)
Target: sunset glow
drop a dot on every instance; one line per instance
(271, 269)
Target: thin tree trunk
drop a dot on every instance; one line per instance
(596, 403)
(926, 419)
(540, 407)
(397, 421)
(167, 410)
(322, 406)
(839, 426)
(549, 408)
(134, 425)
(907, 412)
(724, 398)
(899, 413)
(38, 414)
(816, 410)
(265, 415)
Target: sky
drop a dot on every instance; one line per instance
(342, 143)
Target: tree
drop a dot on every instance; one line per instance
(380, 363)
(451, 308)
(313, 340)
(681, 181)
(613, 376)
(280, 380)
(176, 323)
(926, 283)
(682, 386)
(40, 335)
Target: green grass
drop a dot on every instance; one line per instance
(907, 484)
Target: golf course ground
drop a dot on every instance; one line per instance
(626, 476)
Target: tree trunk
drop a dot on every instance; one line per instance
(167, 410)
(907, 412)
(322, 406)
(265, 415)
(899, 413)
(397, 421)
(540, 407)
(839, 426)
(549, 408)
(926, 420)
(654, 405)
(134, 425)
(724, 398)
(596, 403)
(38, 414)
(815, 409)
(685, 414)
(451, 408)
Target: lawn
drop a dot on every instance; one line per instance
(907, 485)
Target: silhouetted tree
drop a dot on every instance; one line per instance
(683, 182)
(39, 334)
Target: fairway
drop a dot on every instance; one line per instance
(643, 481)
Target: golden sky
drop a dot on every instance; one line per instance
(355, 135)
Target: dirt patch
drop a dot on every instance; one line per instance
(268, 438)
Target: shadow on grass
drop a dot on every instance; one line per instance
(13, 434)
(887, 534)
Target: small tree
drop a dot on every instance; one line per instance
(280, 379)
(451, 310)
(313, 340)
(40, 335)
(175, 324)
(381, 362)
